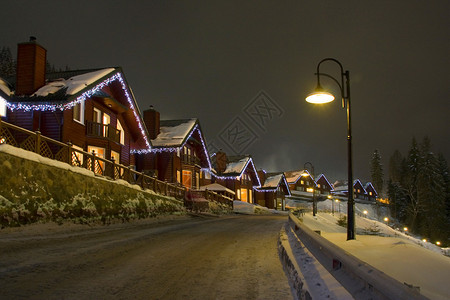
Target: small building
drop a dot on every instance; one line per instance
(237, 173)
(340, 188)
(372, 194)
(324, 187)
(179, 151)
(273, 191)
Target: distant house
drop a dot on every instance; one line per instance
(340, 188)
(179, 151)
(300, 180)
(359, 190)
(92, 109)
(372, 194)
(323, 185)
(237, 173)
(273, 191)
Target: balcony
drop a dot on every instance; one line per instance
(103, 131)
(190, 159)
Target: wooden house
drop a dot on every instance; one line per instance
(300, 180)
(359, 190)
(324, 187)
(371, 193)
(273, 191)
(92, 109)
(179, 152)
(237, 173)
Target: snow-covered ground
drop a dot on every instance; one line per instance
(403, 257)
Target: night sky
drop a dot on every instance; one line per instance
(220, 61)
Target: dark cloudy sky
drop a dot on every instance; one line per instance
(214, 60)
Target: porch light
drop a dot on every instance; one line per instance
(438, 243)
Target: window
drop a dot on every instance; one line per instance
(78, 112)
(178, 176)
(122, 132)
(318, 186)
(370, 193)
(207, 175)
(99, 152)
(302, 182)
(106, 120)
(187, 179)
(238, 194)
(116, 156)
(2, 108)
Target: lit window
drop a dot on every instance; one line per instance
(116, 156)
(78, 112)
(178, 176)
(302, 182)
(122, 132)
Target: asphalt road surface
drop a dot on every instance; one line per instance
(181, 258)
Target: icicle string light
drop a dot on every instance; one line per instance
(329, 184)
(85, 95)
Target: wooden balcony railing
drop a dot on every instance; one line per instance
(190, 159)
(47, 147)
(102, 130)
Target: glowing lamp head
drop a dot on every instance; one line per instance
(319, 96)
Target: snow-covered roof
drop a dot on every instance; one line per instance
(273, 181)
(173, 132)
(236, 166)
(74, 84)
(293, 176)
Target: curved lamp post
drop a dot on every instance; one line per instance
(320, 96)
(311, 176)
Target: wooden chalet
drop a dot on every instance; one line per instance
(273, 191)
(340, 188)
(179, 152)
(324, 187)
(372, 194)
(94, 109)
(237, 173)
(300, 180)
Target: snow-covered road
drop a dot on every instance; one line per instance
(213, 258)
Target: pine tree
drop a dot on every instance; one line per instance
(376, 171)
(409, 184)
(395, 166)
(430, 193)
(7, 64)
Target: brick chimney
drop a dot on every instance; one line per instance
(31, 61)
(151, 119)
(221, 161)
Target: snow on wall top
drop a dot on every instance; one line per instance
(173, 135)
(73, 84)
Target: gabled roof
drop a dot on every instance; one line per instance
(293, 176)
(237, 165)
(325, 178)
(215, 187)
(273, 181)
(174, 133)
(370, 187)
(64, 90)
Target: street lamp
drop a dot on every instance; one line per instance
(320, 96)
(311, 175)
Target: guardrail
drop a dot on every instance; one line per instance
(359, 278)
